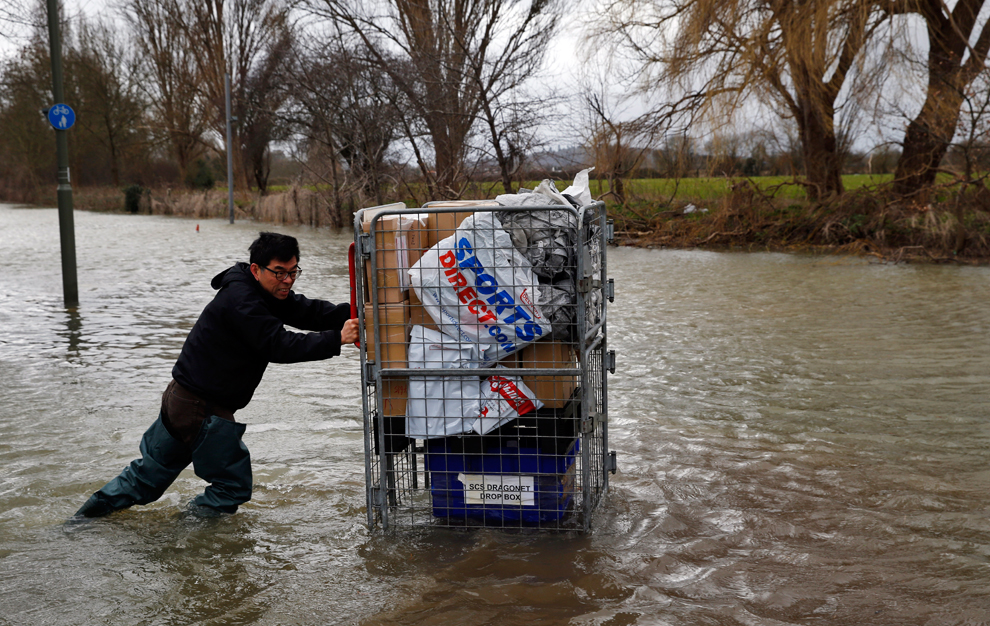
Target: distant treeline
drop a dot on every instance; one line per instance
(363, 102)
(373, 101)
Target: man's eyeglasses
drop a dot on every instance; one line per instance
(281, 274)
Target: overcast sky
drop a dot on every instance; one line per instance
(566, 59)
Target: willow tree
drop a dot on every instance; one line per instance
(458, 60)
(958, 41)
(793, 55)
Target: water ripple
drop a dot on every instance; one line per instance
(800, 440)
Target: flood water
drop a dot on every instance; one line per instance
(800, 439)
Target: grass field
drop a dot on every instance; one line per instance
(942, 227)
(715, 188)
(686, 188)
(652, 188)
(663, 189)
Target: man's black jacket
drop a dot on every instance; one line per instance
(241, 331)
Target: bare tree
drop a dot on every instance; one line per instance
(711, 55)
(972, 147)
(723, 153)
(345, 112)
(235, 37)
(953, 63)
(26, 154)
(461, 57)
(106, 79)
(973, 143)
(108, 143)
(171, 86)
(509, 113)
(13, 17)
(617, 143)
(264, 95)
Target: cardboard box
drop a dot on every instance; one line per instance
(439, 226)
(510, 360)
(398, 245)
(553, 391)
(390, 331)
(395, 392)
(393, 416)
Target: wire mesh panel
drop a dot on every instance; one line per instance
(484, 361)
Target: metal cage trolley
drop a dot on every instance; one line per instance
(484, 363)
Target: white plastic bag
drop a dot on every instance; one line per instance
(546, 193)
(480, 289)
(437, 405)
(581, 189)
(503, 398)
(442, 406)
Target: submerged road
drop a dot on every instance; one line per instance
(801, 440)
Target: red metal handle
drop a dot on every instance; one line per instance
(350, 270)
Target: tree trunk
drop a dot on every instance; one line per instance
(504, 160)
(447, 164)
(182, 154)
(822, 162)
(114, 167)
(952, 65)
(242, 168)
(617, 187)
(503, 166)
(958, 213)
(114, 161)
(928, 137)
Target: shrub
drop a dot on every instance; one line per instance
(200, 175)
(132, 198)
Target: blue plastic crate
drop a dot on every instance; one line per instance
(504, 482)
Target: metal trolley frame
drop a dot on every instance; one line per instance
(417, 481)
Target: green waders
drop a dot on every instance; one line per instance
(218, 455)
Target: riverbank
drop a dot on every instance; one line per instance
(297, 206)
(872, 222)
(946, 228)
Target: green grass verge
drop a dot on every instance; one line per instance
(651, 189)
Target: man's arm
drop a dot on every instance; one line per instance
(266, 333)
(306, 314)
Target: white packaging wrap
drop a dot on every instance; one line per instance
(437, 404)
(503, 398)
(546, 193)
(441, 406)
(480, 289)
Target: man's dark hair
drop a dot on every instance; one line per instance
(270, 246)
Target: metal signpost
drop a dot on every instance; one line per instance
(62, 118)
(230, 155)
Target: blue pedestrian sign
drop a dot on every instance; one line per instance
(61, 117)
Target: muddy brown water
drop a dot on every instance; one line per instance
(801, 440)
